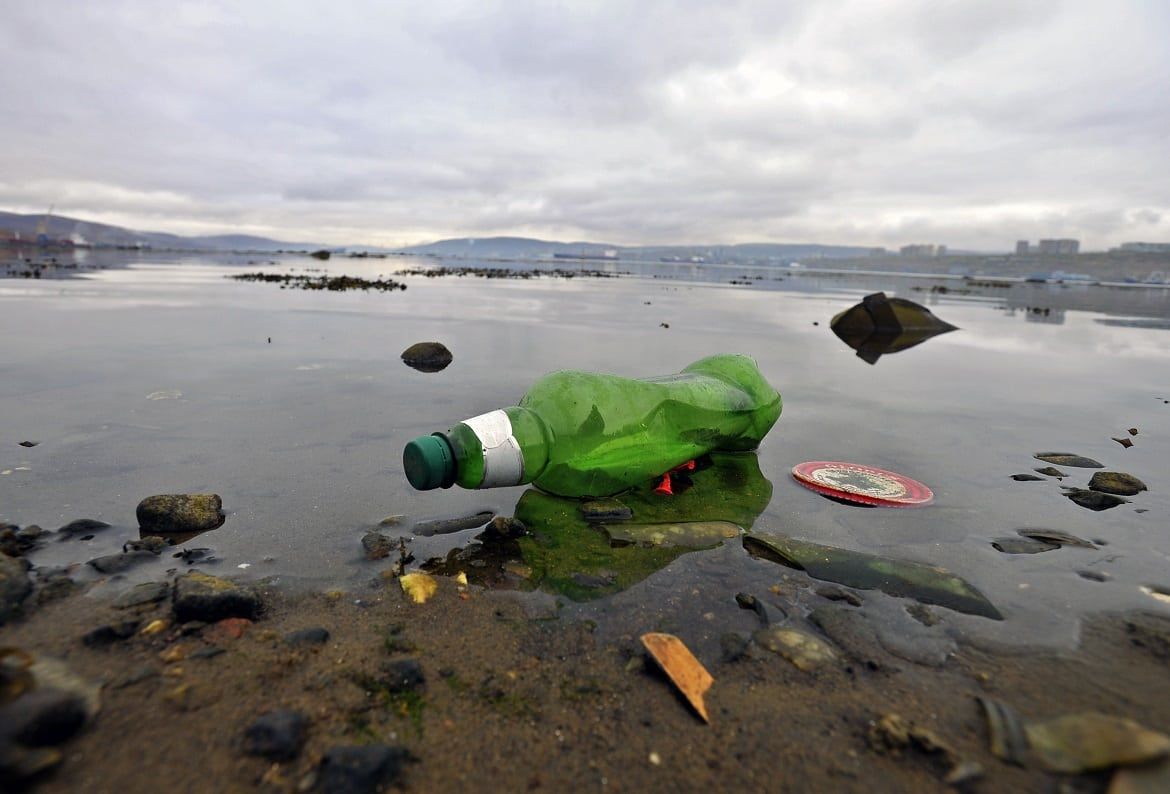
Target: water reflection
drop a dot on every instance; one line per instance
(566, 553)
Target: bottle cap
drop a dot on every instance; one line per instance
(429, 462)
(865, 484)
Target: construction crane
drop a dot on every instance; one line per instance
(43, 227)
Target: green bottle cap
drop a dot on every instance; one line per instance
(429, 462)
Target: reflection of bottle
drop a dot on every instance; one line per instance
(579, 433)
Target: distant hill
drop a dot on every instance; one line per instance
(529, 248)
(61, 227)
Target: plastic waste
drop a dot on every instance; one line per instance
(586, 434)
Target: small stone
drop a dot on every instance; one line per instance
(804, 650)
(1094, 500)
(377, 546)
(109, 634)
(313, 636)
(152, 543)
(1125, 442)
(361, 769)
(181, 513)
(34, 443)
(1116, 482)
(402, 675)
(277, 735)
(201, 597)
(121, 562)
(1051, 471)
(1026, 478)
(82, 526)
(1068, 459)
(1094, 576)
(155, 627)
(427, 356)
(1133, 431)
(504, 528)
(227, 630)
(15, 586)
(145, 593)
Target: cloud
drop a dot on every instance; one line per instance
(968, 122)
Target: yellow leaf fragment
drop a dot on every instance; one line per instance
(681, 667)
(419, 586)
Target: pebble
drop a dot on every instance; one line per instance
(202, 597)
(277, 735)
(120, 562)
(1116, 482)
(15, 586)
(181, 513)
(402, 675)
(427, 356)
(1026, 478)
(82, 526)
(317, 635)
(804, 650)
(1051, 471)
(361, 769)
(1068, 459)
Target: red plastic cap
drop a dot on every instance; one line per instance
(864, 484)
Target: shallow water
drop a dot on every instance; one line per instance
(158, 377)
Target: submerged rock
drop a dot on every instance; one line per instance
(318, 635)
(1026, 478)
(81, 526)
(201, 597)
(446, 526)
(377, 546)
(805, 651)
(427, 356)
(606, 510)
(1022, 546)
(1051, 471)
(1116, 482)
(687, 534)
(1068, 459)
(122, 561)
(181, 513)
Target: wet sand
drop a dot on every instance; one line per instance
(512, 703)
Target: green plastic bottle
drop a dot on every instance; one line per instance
(584, 434)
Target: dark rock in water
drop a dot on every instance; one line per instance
(854, 635)
(109, 634)
(923, 614)
(1051, 471)
(82, 526)
(181, 513)
(606, 510)
(1094, 576)
(152, 543)
(15, 541)
(446, 526)
(1116, 482)
(1057, 536)
(733, 646)
(1150, 631)
(1125, 442)
(34, 443)
(879, 325)
(317, 635)
(277, 735)
(361, 769)
(1068, 459)
(402, 675)
(1026, 478)
(54, 585)
(43, 717)
(145, 593)
(750, 602)
(1022, 545)
(427, 356)
(201, 597)
(377, 545)
(15, 586)
(123, 561)
(323, 255)
(503, 528)
(834, 593)
(1094, 500)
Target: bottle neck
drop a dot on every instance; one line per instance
(501, 448)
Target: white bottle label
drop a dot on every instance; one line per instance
(503, 463)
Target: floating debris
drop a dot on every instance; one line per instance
(900, 578)
(1090, 741)
(419, 586)
(880, 325)
(1094, 500)
(1125, 442)
(681, 667)
(427, 356)
(805, 651)
(1009, 742)
(1068, 459)
(1051, 471)
(1116, 482)
(688, 534)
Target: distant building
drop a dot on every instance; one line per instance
(1145, 248)
(1058, 247)
(1023, 248)
(922, 249)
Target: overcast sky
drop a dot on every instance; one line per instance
(880, 122)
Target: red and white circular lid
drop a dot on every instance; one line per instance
(863, 484)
